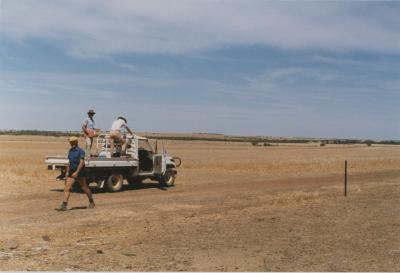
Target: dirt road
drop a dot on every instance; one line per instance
(210, 221)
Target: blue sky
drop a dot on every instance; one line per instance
(312, 69)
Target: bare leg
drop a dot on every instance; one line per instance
(85, 188)
(123, 145)
(112, 145)
(120, 140)
(88, 148)
(91, 145)
(67, 188)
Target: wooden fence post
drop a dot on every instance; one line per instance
(345, 178)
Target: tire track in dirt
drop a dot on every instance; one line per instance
(27, 208)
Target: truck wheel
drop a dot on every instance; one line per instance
(114, 182)
(168, 178)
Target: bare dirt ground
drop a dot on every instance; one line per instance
(234, 208)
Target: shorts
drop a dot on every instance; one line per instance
(116, 135)
(81, 173)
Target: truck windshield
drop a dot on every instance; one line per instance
(145, 145)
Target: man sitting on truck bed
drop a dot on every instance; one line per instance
(115, 133)
(75, 170)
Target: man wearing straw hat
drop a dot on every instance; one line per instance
(75, 171)
(89, 131)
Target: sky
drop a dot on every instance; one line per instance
(249, 67)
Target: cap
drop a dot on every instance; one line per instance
(91, 111)
(73, 138)
(124, 119)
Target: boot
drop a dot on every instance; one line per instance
(63, 207)
(91, 205)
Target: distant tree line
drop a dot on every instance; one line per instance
(358, 141)
(39, 133)
(229, 139)
(256, 141)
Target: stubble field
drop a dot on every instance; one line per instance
(235, 207)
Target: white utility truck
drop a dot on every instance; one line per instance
(139, 162)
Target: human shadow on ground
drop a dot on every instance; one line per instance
(80, 207)
(73, 208)
(126, 187)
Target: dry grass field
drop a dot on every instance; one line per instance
(235, 207)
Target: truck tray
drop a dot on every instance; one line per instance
(55, 162)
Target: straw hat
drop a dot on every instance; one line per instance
(73, 139)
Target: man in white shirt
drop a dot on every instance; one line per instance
(115, 132)
(89, 131)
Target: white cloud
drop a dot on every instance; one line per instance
(98, 28)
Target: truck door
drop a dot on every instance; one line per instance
(133, 147)
(160, 164)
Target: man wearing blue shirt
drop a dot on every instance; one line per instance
(75, 171)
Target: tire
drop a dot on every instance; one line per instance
(114, 182)
(177, 160)
(168, 179)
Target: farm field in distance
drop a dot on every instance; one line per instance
(234, 207)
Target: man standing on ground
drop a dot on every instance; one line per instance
(89, 131)
(75, 171)
(115, 132)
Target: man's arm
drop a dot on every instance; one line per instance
(84, 126)
(129, 130)
(80, 166)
